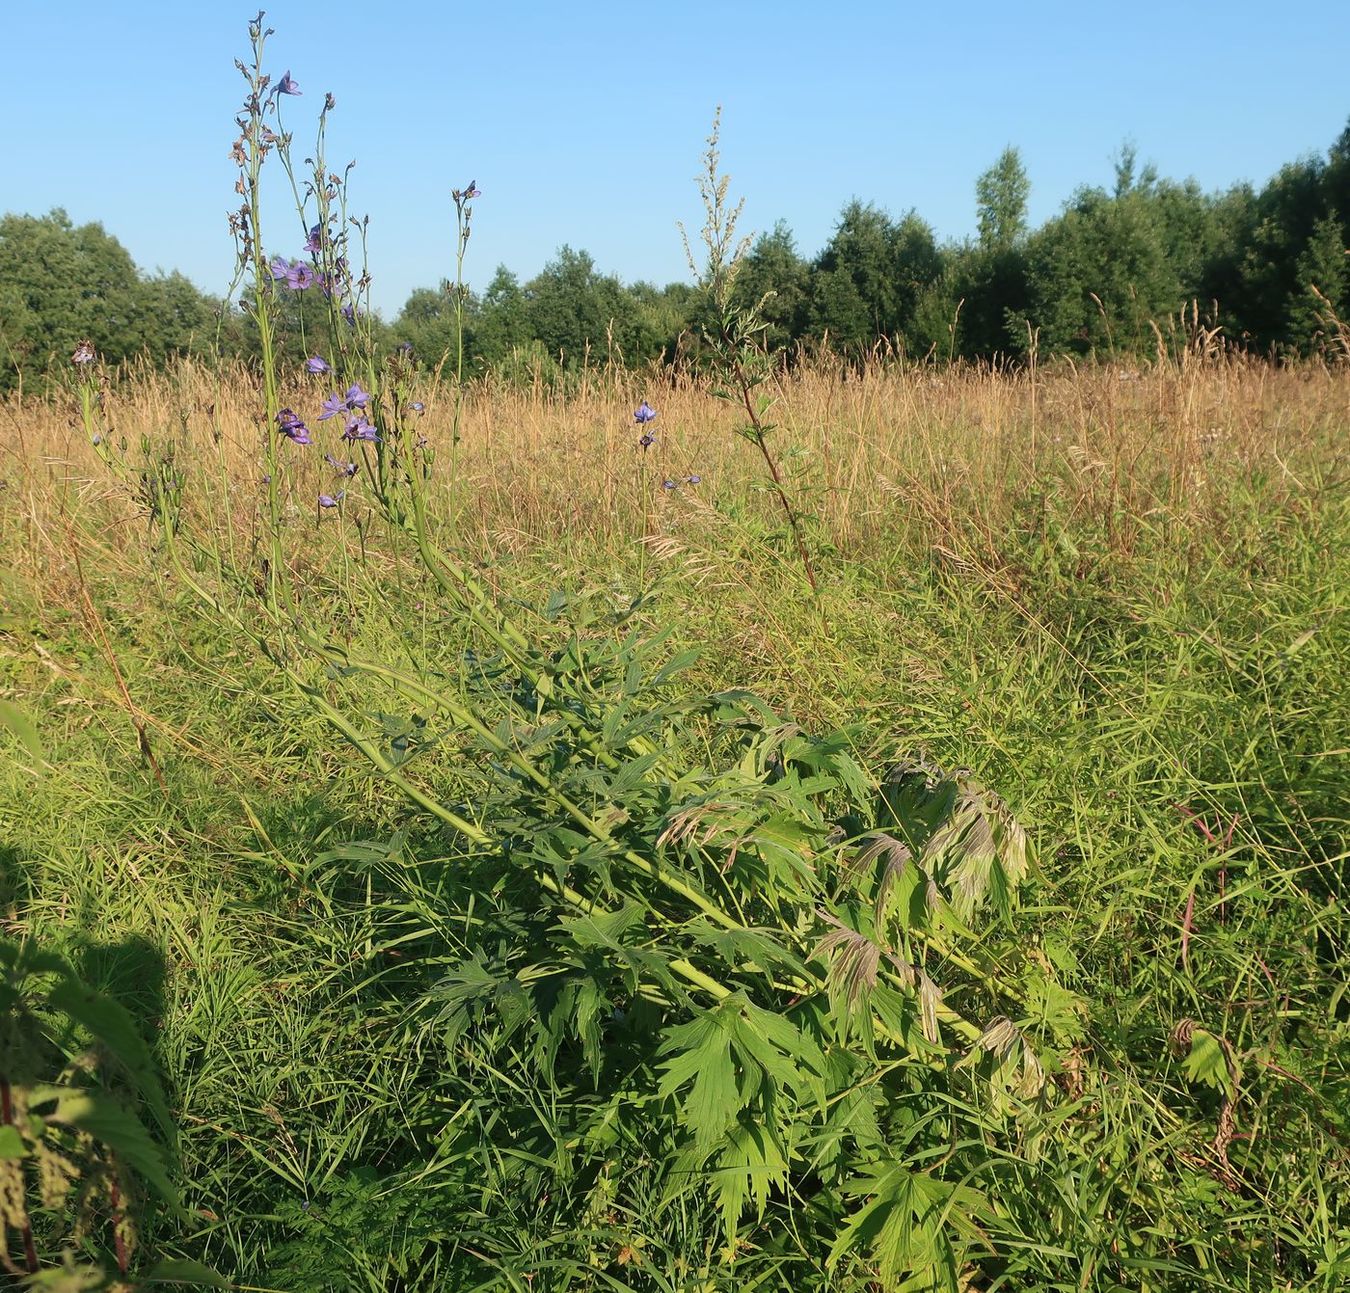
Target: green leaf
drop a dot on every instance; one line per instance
(1209, 1062)
(107, 1122)
(704, 1057)
(12, 717)
(911, 1223)
(11, 1143)
(185, 1272)
(111, 1025)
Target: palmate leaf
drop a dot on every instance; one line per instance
(752, 1162)
(703, 1057)
(912, 1224)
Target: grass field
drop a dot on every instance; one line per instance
(1116, 595)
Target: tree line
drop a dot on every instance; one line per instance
(1269, 266)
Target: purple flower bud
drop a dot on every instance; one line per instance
(314, 243)
(417, 406)
(286, 85)
(316, 364)
(349, 313)
(694, 480)
(647, 441)
(644, 413)
(667, 483)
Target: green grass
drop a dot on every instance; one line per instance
(271, 914)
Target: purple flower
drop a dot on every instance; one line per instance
(647, 441)
(286, 85)
(299, 276)
(359, 429)
(280, 267)
(316, 364)
(694, 480)
(332, 500)
(643, 413)
(417, 406)
(349, 313)
(342, 468)
(667, 483)
(406, 347)
(314, 243)
(292, 428)
(356, 397)
(332, 406)
(84, 354)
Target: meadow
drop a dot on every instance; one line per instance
(829, 821)
(1115, 595)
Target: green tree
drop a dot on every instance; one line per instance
(427, 322)
(576, 311)
(1001, 194)
(60, 284)
(773, 272)
(1322, 274)
(1100, 272)
(855, 301)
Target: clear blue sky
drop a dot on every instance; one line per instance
(583, 123)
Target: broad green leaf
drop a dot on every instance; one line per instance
(11, 1142)
(185, 1272)
(13, 718)
(1208, 1062)
(107, 1122)
(112, 1025)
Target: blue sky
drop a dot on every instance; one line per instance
(583, 123)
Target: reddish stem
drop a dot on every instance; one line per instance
(25, 1228)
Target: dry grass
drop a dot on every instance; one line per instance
(931, 461)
